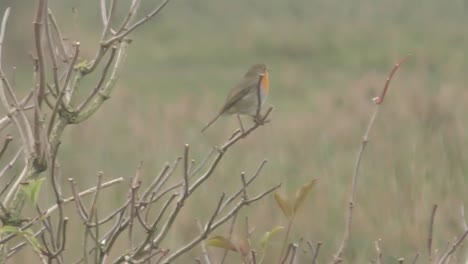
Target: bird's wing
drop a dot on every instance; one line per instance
(237, 92)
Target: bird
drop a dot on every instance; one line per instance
(242, 99)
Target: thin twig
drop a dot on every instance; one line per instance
(62, 92)
(101, 80)
(52, 51)
(136, 25)
(132, 11)
(106, 19)
(7, 141)
(61, 47)
(231, 231)
(317, 249)
(155, 183)
(379, 251)
(135, 185)
(348, 223)
(290, 248)
(463, 220)
(430, 231)
(203, 245)
(26, 136)
(452, 249)
(186, 170)
(38, 21)
(143, 247)
(218, 223)
(8, 167)
(415, 259)
(79, 204)
(56, 186)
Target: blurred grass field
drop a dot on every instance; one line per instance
(328, 59)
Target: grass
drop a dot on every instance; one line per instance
(328, 59)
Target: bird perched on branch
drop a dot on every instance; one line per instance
(247, 96)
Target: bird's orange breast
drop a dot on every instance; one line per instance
(266, 82)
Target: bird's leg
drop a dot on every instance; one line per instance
(260, 119)
(240, 123)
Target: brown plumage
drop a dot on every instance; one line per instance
(242, 99)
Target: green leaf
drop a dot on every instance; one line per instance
(26, 234)
(221, 242)
(302, 193)
(284, 204)
(32, 188)
(267, 236)
(81, 66)
(29, 235)
(10, 230)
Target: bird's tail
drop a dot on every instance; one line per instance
(211, 122)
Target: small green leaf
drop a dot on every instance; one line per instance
(266, 237)
(32, 189)
(302, 193)
(82, 65)
(29, 235)
(10, 230)
(26, 234)
(284, 204)
(221, 242)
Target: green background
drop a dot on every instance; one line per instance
(328, 59)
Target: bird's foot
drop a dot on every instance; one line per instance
(260, 120)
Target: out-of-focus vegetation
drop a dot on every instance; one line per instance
(327, 60)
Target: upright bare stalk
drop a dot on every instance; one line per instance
(338, 257)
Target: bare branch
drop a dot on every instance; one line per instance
(292, 248)
(379, 251)
(148, 241)
(15, 249)
(26, 136)
(79, 204)
(63, 90)
(463, 220)
(231, 231)
(40, 11)
(390, 76)
(444, 258)
(106, 19)
(5, 121)
(104, 93)
(52, 51)
(317, 249)
(101, 80)
(155, 183)
(186, 170)
(61, 47)
(7, 141)
(132, 11)
(203, 245)
(136, 25)
(9, 166)
(62, 220)
(357, 165)
(431, 228)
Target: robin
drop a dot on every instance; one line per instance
(243, 98)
